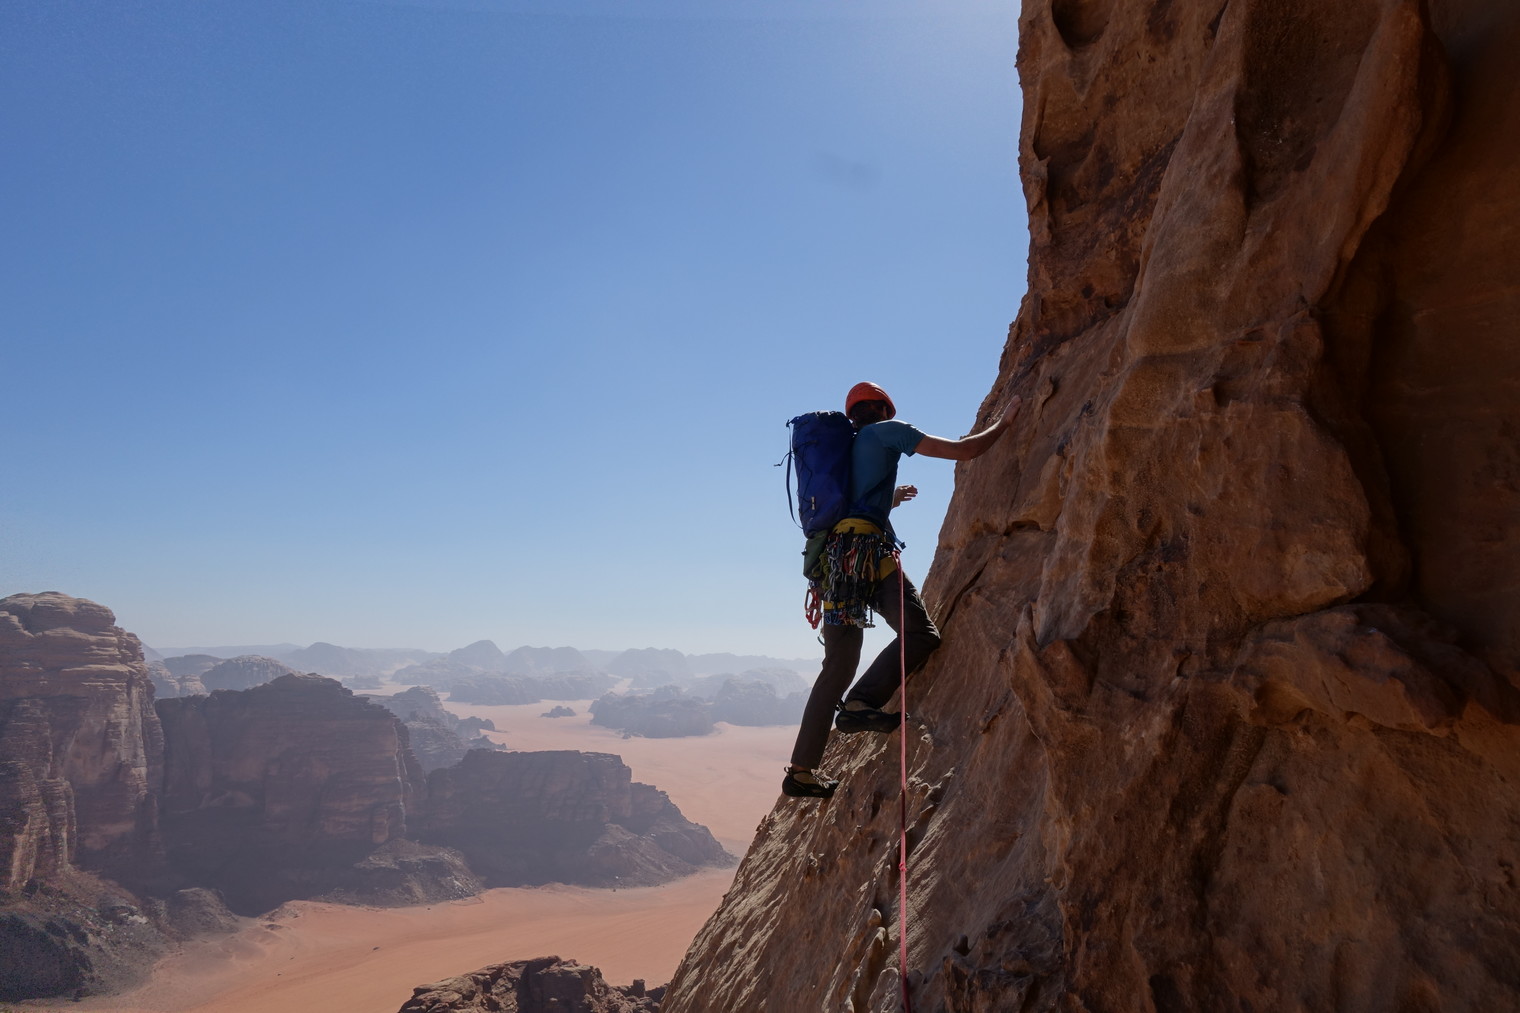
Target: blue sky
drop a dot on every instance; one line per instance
(411, 324)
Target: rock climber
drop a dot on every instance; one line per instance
(860, 576)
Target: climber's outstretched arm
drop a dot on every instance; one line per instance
(975, 445)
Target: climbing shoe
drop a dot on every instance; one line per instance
(866, 719)
(802, 784)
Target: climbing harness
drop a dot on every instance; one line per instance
(856, 557)
(902, 809)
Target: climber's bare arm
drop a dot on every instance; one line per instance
(975, 445)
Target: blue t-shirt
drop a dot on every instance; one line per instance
(873, 468)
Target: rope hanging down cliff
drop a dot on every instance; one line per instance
(902, 807)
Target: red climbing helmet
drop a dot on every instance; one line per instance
(865, 390)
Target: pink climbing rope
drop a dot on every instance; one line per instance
(902, 808)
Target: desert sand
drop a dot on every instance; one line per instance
(310, 956)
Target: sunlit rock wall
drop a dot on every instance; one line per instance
(1225, 715)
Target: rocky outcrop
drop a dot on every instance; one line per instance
(783, 681)
(198, 912)
(1225, 715)
(80, 745)
(669, 712)
(438, 737)
(185, 666)
(747, 702)
(401, 872)
(74, 936)
(482, 655)
(243, 672)
(166, 685)
(521, 689)
(562, 816)
(545, 985)
(276, 792)
(436, 672)
(664, 714)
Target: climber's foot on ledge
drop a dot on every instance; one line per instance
(850, 720)
(804, 783)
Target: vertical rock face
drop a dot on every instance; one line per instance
(265, 789)
(1225, 718)
(561, 815)
(80, 745)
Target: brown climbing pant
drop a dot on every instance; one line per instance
(841, 656)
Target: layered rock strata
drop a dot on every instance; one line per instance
(80, 746)
(1225, 716)
(562, 816)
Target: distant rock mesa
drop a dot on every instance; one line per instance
(1226, 714)
(560, 815)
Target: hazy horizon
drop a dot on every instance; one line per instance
(210, 648)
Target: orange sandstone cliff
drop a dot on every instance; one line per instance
(1225, 717)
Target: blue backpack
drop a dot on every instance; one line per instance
(821, 445)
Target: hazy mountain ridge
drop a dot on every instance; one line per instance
(647, 667)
